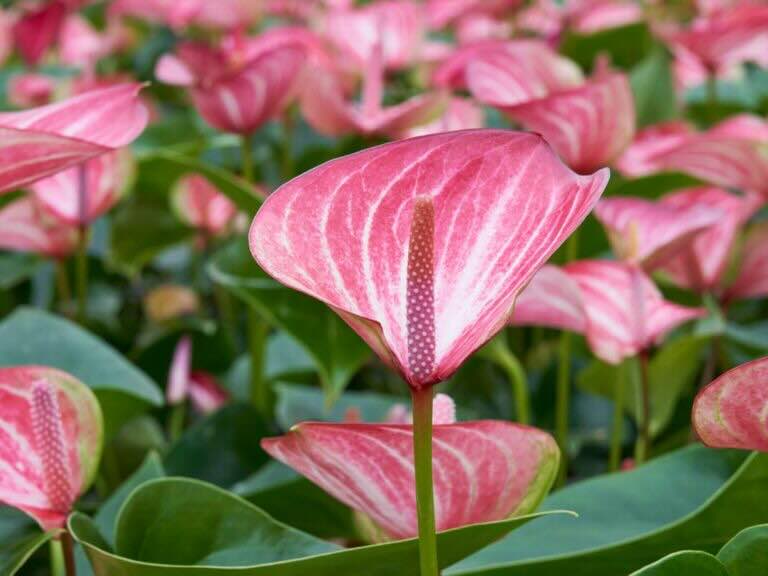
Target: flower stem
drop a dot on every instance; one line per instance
(257, 339)
(643, 445)
(425, 504)
(563, 402)
(57, 557)
(62, 283)
(82, 273)
(246, 157)
(617, 431)
(68, 550)
(500, 353)
(176, 421)
(287, 145)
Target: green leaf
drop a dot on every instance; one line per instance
(294, 500)
(170, 166)
(336, 350)
(20, 537)
(169, 525)
(626, 45)
(630, 519)
(297, 403)
(747, 553)
(15, 268)
(685, 563)
(654, 89)
(30, 336)
(140, 232)
(652, 186)
(671, 372)
(222, 449)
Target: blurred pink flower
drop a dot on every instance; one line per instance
(442, 12)
(641, 158)
(199, 204)
(552, 299)
(200, 388)
(223, 14)
(459, 114)
(26, 227)
(752, 272)
(484, 470)
(31, 89)
(38, 28)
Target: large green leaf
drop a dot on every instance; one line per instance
(654, 89)
(20, 537)
(672, 371)
(695, 498)
(626, 45)
(746, 554)
(16, 267)
(171, 525)
(223, 448)
(685, 563)
(169, 166)
(30, 336)
(337, 351)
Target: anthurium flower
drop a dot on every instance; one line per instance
(552, 299)
(752, 276)
(702, 262)
(38, 28)
(26, 227)
(224, 15)
(643, 156)
(50, 442)
(730, 412)
(201, 388)
(79, 195)
(178, 376)
(82, 46)
(459, 114)
(327, 110)
(25, 90)
(205, 392)
(42, 141)
(589, 125)
(238, 85)
(199, 204)
(476, 27)
(626, 313)
(442, 12)
(352, 231)
(484, 470)
(650, 232)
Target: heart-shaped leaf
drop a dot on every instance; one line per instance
(691, 562)
(35, 337)
(334, 347)
(169, 526)
(746, 554)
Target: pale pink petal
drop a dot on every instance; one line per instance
(205, 393)
(178, 385)
(702, 263)
(42, 141)
(82, 46)
(626, 313)
(752, 278)
(642, 157)
(340, 233)
(37, 30)
(478, 27)
(483, 471)
(732, 412)
(593, 16)
(552, 299)
(442, 12)
(79, 195)
(650, 232)
(589, 126)
(460, 114)
(25, 227)
(200, 204)
(50, 442)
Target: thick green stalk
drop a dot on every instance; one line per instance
(617, 431)
(246, 158)
(62, 284)
(57, 558)
(257, 340)
(425, 504)
(643, 444)
(563, 401)
(500, 353)
(82, 274)
(176, 421)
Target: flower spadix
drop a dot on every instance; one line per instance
(422, 245)
(730, 412)
(484, 470)
(50, 441)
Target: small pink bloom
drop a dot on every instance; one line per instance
(483, 470)
(702, 263)
(381, 237)
(177, 389)
(551, 299)
(442, 12)
(592, 16)
(199, 204)
(38, 29)
(224, 14)
(730, 412)
(25, 90)
(81, 46)
(50, 442)
(460, 114)
(205, 393)
(626, 313)
(237, 86)
(480, 27)
(642, 157)
(42, 141)
(649, 233)
(752, 277)
(26, 227)
(79, 195)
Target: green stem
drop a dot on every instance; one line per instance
(246, 157)
(563, 401)
(503, 356)
(62, 283)
(287, 145)
(58, 567)
(82, 273)
(425, 504)
(257, 339)
(176, 421)
(227, 317)
(617, 431)
(643, 445)
(68, 549)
